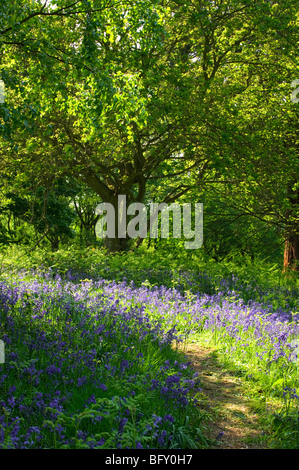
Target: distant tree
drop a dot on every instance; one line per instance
(44, 212)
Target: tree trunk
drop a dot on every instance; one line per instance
(291, 247)
(120, 240)
(291, 253)
(114, 245)
(55, 243)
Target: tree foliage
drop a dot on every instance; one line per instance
(155, 100)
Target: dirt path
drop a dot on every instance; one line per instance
(234, 422)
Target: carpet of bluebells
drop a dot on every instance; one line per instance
(92, 363)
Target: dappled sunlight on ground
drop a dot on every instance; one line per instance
(233, 422)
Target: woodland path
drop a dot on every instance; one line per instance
(234, 423)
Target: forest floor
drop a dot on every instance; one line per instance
(233, 419)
